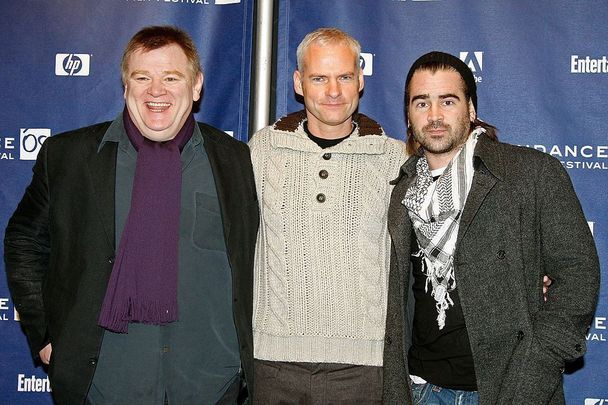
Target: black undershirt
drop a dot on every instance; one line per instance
(322, 142)
(442, 357)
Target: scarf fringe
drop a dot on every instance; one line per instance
(146, 312)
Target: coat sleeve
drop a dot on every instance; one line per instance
(569, 258)
(26, 254)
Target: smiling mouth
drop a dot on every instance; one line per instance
(157, 107)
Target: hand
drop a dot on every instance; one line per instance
(546, 283)
(45, 354)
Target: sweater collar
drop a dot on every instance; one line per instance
(367, 138)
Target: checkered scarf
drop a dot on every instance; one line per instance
(435, 209)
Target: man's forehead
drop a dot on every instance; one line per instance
(172, 48)
(322, 55)
(441, 80)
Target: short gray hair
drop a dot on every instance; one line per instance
(327, 36)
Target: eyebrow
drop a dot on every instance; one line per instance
(441, 97)
(165, 72)
(349, 73)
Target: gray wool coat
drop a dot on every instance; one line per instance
(522, 220)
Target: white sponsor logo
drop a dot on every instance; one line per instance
(474, 60)
(33, 384)
(596, 401)
(589, 157)
(216, 2)
(588, 64)
(596, 333)
(7, 146)
(4, 309)
(591, 225)
(231, 133)
(72, 64)
(31, 141)
(366, 61)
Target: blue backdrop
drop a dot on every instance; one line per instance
(542, 74)
(541, 69)
(60, 65)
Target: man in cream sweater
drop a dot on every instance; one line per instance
(322, 256)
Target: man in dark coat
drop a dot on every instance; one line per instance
(130, 256)
(475, 225)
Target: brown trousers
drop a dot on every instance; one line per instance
(287, 383)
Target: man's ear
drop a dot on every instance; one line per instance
(297, 82)
(361, 80)
(472, 112)
(197, 86)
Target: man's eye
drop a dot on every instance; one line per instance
(171, 79)
(421, 104)
(141, 79)
(317, 79)
(449, 102)
(346, 78)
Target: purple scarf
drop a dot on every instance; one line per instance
(143, 283)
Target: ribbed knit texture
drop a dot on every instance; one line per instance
(321, 268)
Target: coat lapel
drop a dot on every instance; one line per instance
(399, 225)
(488, 171)
(102, 172)
(219, 157)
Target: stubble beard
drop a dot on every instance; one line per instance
(455, 138)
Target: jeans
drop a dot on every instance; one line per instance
(429, 394)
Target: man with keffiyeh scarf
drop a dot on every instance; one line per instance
(130, 256)
(475, 225)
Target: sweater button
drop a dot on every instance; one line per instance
(327, 156)
(93, 361)
(321, 197)
(520, 335)
(111, 260)
(501, 254)
(578, 347)
(323, 174)
(387, 340)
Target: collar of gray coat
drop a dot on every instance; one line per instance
(486, 159)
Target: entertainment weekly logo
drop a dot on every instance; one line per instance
(596, 401)
(29, 144)
(582, 157)
(33, 383)
(588, 64)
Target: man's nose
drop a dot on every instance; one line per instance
(435, 113)
(157, 88)
(333, 89)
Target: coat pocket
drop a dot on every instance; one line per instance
(208, 231)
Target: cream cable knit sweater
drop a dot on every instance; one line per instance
(322, 254)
